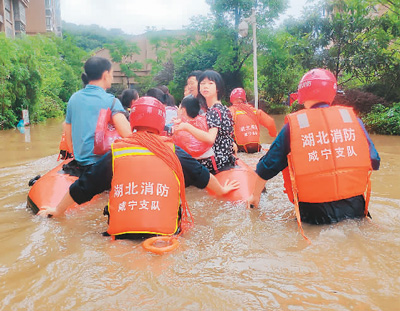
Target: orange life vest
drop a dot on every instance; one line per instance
(246, 127)
(329, 156)
(188, 142)
(145, 192)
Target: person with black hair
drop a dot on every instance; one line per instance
(193, 82)
(190, 106)
(128, 97)
(83, 111)
(170, 108)
(84, 108)
(147, 118)
(219, 121)
(171, 99)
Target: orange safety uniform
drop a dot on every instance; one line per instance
(329, 158)
(145, 192)
(247, 122)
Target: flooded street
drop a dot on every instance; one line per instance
(232, 259)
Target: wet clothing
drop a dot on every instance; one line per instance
(96, 178)
(82, 113)
(276, 160)
(220, 117)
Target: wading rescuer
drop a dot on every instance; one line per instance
(247, 121)
(146, 174)
(326, 156)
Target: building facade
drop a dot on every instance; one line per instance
(30, 17)
(44, 16)
(13, 17)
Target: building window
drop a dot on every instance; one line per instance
(48, 23)
(48, 3)
(7, 5)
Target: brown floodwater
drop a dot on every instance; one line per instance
(233, 258)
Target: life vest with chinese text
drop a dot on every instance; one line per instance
(329, 158)
(145, 191)
(246, 127)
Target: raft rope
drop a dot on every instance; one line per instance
(296, 198)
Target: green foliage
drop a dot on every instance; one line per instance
(279, 70)
(120, 49)
(221, 32)
(38, 73)
(383, 120)
(199, 56)
(350, 39)
(93, 37)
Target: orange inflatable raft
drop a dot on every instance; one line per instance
(242, 173)
(49, 189)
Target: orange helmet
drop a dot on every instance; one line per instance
(238, 93)
(148, 112)
(319, 85)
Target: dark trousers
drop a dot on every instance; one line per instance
(331, 212)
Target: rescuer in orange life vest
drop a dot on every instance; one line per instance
(326, 156)
(146, 174)
(247, 121)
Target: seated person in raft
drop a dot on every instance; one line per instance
(124, 172)
(189, 110)
(219, 121)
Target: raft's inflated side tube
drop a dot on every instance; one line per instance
(242, 173)
(49, 189)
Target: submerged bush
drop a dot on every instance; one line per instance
(361, 101)
(383, 120)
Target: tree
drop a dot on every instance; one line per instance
(38, 73)
(218, 45)
(350, 39)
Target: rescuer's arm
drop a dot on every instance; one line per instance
(122, 125)
(267, 121)
(273, 162)
(373, 153)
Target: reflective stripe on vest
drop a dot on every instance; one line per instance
(329, 154)
(144, 196)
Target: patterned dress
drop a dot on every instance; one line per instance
(220, 117)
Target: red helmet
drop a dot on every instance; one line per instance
(319, 85)
(238, 93)
(148, 112)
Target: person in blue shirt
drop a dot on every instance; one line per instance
(98, 178)
(84, 108)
